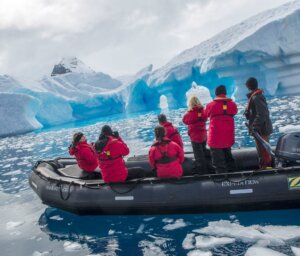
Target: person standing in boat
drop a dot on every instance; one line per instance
(171, 132)
(195, 119)
(111, 149)
(257, 113)
(85, 155)
(165, 155)
(221, 130)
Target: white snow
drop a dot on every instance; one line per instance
(176, 225)
(295, 250)
(72, 246)
(289, 128)
(272, 235)
(37, 253)
(75, 65)
(199, 253)
(261, 251)
(211, 241)
(13, 224)
(56, 217)
(189, 242)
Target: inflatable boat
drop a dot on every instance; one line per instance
(59, 183)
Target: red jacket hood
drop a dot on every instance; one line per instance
(222, 97)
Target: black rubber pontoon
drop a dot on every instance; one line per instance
(58, 184)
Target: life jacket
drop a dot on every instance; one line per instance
(250, 96)
(165, 159)
(224, 107)
(106, 151)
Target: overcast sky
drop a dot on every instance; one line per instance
(117, 37)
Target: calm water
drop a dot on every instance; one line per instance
(29, 228)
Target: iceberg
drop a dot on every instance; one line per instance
(265, 46)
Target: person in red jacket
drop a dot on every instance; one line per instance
(84, 153)
(195, 119)
(221, 130)
(171, 132)
(165, 155)
(111, 150)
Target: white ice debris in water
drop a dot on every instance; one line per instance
(273, 235)
(154, 248)
(13, 224)
(167, 220)
(111, 232)
(177, 224)
(140, 229)
(211, 241)
(188, 242)
(36, 253)
(72, 246)
(201, 92)
(295, 250)
(56, 217)
(261, 251)
(199, 253)
(289, 128)
(149, 219)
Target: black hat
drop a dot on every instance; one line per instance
(221, 89)
(162, 118)
(159, 132)
(77, 137)
(106, 130)
(251, 83)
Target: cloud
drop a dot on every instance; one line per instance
(113, 36)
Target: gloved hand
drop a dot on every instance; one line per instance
(72, 146)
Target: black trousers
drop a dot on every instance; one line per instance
(135, 173)
(222, 160)
(200, 153)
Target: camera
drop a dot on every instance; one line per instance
(115, 134)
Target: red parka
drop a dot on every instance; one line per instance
(85, 155)
(174, 157)
(195, 119)
(221, 128)
(111, 161)
(172, 133)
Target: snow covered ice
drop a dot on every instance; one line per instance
(265, 46)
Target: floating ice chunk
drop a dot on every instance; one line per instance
(289, 128)
(72, 246)
(149, 219)
(199, 91)
(189, 242)
(261, 251)
(36, 253)
(140, 229)
(56, 217)
(211, 241)
(111, 232)
(295, 250)
(12, 173)
(167, 220)
(13, 224)
(275, 235)
(177, 224)
(199, 253)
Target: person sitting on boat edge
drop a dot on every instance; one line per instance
(195, 119)
(165, 155)
(111, 149)
(221, 130)
(171, 131)
(85, 155)
(257, 113)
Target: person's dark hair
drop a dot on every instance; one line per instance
(106, 131)
(221, 89)
(160, 132)
(162, 118)
(77, 137)
(252, 83)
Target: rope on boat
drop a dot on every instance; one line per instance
(61, 192)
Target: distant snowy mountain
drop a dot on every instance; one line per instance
(266, 46)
